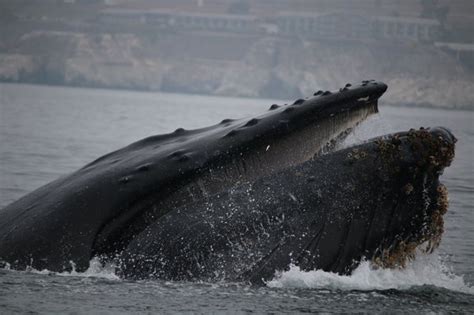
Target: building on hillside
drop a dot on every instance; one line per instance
(402, 28)
(464, 52)
(323, 26)
(333, 25)
(181, 20)
(215, 22)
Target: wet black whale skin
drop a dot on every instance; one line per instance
(107, 207)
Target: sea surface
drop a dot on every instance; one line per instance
(46, 132)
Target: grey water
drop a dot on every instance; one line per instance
(46, 132)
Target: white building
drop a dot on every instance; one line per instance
(416, 29)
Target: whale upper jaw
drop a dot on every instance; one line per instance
(206, 161)
(98, 209)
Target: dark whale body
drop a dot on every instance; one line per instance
(242, 199)
(327, 213)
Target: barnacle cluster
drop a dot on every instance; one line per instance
(431, 152)
(399, 254)
(428, 147)
(356, 154)
(431, 148)
(402, 252)
(389, 151)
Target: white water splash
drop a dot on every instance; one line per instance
(425, 270)
(96, 270)
(372, 127)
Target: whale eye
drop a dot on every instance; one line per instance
(274, 106)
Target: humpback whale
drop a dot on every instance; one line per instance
(244, 198)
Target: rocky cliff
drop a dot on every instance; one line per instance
(248, 66)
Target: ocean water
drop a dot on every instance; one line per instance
(46, 132)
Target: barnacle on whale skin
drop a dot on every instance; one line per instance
(402, 252)
(396, 257)
(431, 152)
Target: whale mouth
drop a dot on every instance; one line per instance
(393, 204)
(244, 198)
(432, 151)
(401, 212)
(240, 151)
(424, 154)
(426, 240)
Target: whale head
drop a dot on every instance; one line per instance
(383, 201)
(380, 200)
(244, 198)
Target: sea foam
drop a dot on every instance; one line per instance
(424, 270)
(96, 270)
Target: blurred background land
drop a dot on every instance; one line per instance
(423, 49)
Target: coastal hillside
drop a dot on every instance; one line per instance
(242, 53)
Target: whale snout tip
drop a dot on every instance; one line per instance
(443, 144)
(444, 134)
(433, 146)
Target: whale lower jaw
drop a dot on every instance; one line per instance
(401, 252)
(268, 157)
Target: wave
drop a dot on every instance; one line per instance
(425, 270)
(96, 270)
